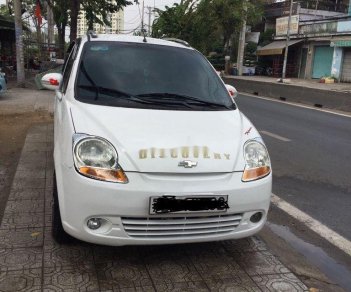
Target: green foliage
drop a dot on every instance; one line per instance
(251, 47)
(4, 10)
(217, 61)
(28, 7)
(97, 11)
(7, 12)
(6, 17)
(266, 37)
(250, 57)
(28, 11)
(175, 21)
(138, 33)
(208, 25)
(60, 9)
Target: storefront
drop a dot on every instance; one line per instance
(326, 57)
(322, 61)
(7, 42)
(346, 66)
(273, 54)
(341, 66)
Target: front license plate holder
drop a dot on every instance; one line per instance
(188, 204)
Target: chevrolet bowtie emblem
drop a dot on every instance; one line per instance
(187, 164)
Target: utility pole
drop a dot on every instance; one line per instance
(149, 8)
(287, 43)
(142, 18)
(19, 43)
(241, 49)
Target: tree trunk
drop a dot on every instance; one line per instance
(89, 15)
(90, 25)
(51, 24)
(61, 41)
(39, 41)
(19, 43)
(75, 6)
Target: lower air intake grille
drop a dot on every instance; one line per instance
(166, 227)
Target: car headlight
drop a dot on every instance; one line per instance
(96, 158)
(258, 164)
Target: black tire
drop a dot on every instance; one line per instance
(58, 232)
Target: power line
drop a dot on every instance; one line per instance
(134, 22)
(129, 31)
(141, 19)
(136, 18)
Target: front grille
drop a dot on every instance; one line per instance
(168, 227)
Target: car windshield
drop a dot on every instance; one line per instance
(149, 76)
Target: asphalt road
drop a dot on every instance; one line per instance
(311, 158)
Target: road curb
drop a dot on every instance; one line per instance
(294, 93)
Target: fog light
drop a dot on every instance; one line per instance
(94, 223)
(255, 218)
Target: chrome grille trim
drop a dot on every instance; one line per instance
(170, 227)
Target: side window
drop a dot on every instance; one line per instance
(67, 67)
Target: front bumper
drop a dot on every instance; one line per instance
(125, 207)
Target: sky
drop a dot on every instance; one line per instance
(132, 13)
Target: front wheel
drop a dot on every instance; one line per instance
(59, 234)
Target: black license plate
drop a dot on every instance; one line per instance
(191, 204)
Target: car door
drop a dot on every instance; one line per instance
(62, 119)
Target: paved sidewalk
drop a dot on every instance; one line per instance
(308, 83)
(25, 100)
(30, 260)
(331, 96)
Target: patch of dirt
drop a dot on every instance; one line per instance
(13, 131)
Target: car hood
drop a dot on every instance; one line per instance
(158, 141)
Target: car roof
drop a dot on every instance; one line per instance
(135, 39)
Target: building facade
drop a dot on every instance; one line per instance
(320, 43)
(116, 19)
(7, 43)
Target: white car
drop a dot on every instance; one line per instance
(150, 147)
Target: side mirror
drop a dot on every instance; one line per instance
(232, 91)
(52, 81)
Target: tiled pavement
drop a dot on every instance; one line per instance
(30, 260)
(24, 100)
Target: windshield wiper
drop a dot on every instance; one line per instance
(162, 96)
(125, 95)
(108, 91)
(114, 92)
